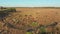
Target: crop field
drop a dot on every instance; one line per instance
(30, 21)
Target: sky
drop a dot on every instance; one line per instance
(30, 3)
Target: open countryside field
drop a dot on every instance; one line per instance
(23, 18)
(47, 15)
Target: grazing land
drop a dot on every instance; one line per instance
(23, 19)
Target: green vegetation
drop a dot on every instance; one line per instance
(28, 32)
(34, 24)
(42, 29)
